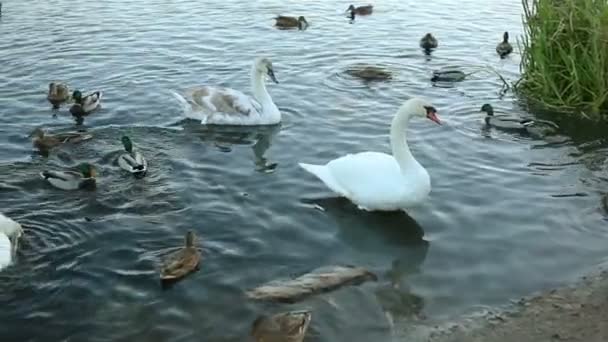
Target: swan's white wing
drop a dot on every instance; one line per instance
(371, 180)
(6, 255)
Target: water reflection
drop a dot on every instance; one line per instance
(224, 137)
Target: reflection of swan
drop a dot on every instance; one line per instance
(223, 137)
(394, 234)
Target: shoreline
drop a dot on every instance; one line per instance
(574, 313)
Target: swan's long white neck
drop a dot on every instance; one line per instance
(261, 94)
(399, 146)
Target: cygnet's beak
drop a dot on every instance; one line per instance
(272, 77)
(431, 114)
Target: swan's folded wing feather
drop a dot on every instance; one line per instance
(222, 100)
(6, 255)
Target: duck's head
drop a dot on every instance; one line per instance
(302, 23)
(263, 66)
(421, 108)
(505, 37)
(87, 170)
(52, 87)
(37, 133)
(126, 142)
(350, 8)
(488, 109)
(77, 96)
(190, 238)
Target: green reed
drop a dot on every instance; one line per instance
(565, 55)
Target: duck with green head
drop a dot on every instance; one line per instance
(291, 22)
(132, 161)
(181, 262)
(85, 105)
(58, 94)
(512, 123)
(45, 142)
(504, 48)
(72, 180)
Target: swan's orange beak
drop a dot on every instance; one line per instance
(431, 114)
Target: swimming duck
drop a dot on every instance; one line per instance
(225, 106)
(44, 142)
(182, 262)
(370, 73)
(58, 94)
(282, 327)
(380, 181)
(428, 42)
(72, 180)
(10, 232)
(84, 105)
(504, 48)
(132, 161)
(361, 10)
(508, 122)
(291, 22)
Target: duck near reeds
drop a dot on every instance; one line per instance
(45, 142)
(282, 327)
(182, 262)
(10, 232)
(428, 42)
(508, 122)
(72, 180)
(361, 10)
(85, 105)
(58, 94)
(504, 48)
(132, 161)
(285, 22)
(370, 73)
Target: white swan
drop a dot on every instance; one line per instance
(10, 232)
(379, 181)
(225, 106)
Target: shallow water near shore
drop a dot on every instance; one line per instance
(509, 214)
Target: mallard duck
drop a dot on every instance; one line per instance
(361, 10)
(448, 76)
(45, 142)
(428, 42)
(370, 73)
(282, 327)
(10, 232)
(72, 180)
(132, 161)
(84, 105)
(58, 94)
(291, 22)
(508, 122)
(182, 262)
(504, 48)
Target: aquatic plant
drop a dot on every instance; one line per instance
(565, 55)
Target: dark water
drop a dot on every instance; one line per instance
(509, 214)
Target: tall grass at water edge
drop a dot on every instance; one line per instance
(565, 55)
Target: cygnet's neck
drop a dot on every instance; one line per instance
(399, 146)
(261, 94)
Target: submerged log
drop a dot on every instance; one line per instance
(321, 280)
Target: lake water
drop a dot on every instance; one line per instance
(508, 215)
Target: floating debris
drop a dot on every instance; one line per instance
(321, 280)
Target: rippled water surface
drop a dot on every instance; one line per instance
(509, 214)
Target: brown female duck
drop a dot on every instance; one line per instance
(44, 142)
(291, 22)
(182, 262)
(504, 48)
(428, 42)
(282, 327)
(361, 10)
(369, 73)
(58, 94)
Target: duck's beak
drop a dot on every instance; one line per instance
(272, 77)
